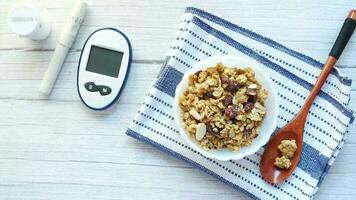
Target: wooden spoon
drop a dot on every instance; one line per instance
(295, 128)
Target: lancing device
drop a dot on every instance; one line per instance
(65, 42)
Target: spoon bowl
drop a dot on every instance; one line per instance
(271, 173)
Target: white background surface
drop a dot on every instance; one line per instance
(59, 149)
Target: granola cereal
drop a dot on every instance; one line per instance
(223, 107)
(282, 162)
(288, 148)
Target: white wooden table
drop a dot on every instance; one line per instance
(59, 149)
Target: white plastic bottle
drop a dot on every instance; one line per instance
(28, 19)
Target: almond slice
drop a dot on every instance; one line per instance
(200, 131)
(195, 114)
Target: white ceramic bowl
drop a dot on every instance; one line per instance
(268, 125)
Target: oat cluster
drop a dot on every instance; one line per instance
(282, 162)
(287, 149)
(223, 107)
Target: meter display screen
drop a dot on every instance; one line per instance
(104, 61)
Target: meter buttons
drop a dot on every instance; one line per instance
(102, 89)
(91, 87)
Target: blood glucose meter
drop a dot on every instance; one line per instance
(103, 68)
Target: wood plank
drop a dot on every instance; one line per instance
(75, 191)
(309, 31)
(70, 127)
(95, 141)
(23, 80)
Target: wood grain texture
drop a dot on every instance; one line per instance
(58, 149)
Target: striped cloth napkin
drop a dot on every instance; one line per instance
(201, 35)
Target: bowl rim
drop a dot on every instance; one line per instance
(203, 64)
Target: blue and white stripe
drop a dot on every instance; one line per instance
(201, 35)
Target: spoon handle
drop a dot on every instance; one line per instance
(339, 45)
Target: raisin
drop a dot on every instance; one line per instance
(210, 130)
(208, 95)
(224, 79)
(252, 98)
(233, 86)
(247, 132)
(197, 73)
(222, 110)
(227, 101)
(232, 111)
(248, 106)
